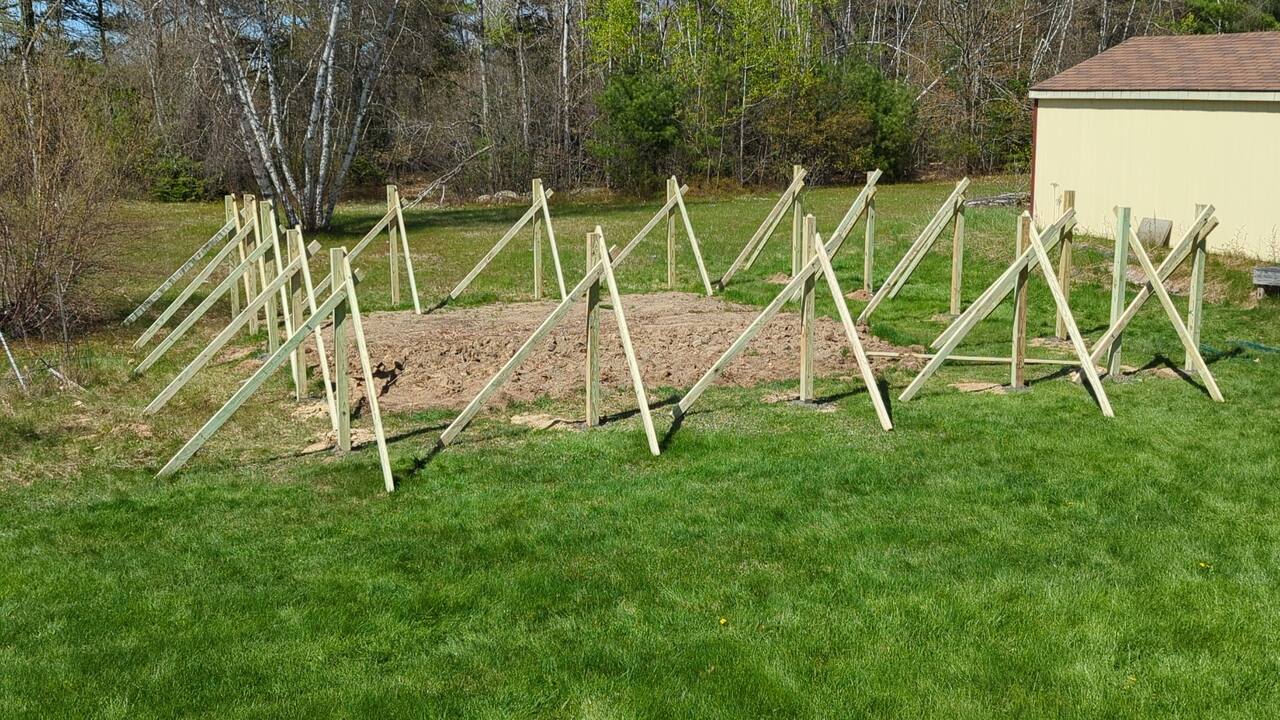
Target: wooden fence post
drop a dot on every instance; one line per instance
(537, 242)
(1018, 366)
(957, 255)
(250, 206)
(393, 253)
(229, 214)
(1065, 262)
(1195, 300)
(593, 338)
(672, 189)
(807, 299)
(341, 325)
(869, 248)
(296, 250)
(797, 224)
(1119, 287)
(261, 224)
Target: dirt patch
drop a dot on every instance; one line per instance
(778, 278)
(443, 359)
(860, 295)
(979, 387)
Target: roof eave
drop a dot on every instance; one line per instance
(1209, 95)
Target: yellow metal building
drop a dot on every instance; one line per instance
(1160, 124)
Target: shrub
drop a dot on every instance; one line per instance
(638, 131)
(846, 120)
(175, 178)
(55, 199)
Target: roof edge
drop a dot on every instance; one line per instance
(1209, 95)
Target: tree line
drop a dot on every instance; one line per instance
(308, 101)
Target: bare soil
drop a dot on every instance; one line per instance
(443, 359)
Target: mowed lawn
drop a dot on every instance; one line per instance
(1010, 555)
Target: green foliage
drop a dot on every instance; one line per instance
(176, 178)
(638, 130)
(846, 121)
(1206, 17)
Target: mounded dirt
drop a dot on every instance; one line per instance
(441, 360)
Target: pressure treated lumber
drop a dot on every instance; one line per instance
(1018, 356)
(593, 339)
(1199, 230)
(199, 311)
(628, 351)
(227, 333)
(808, 296)
(1065, 260)
(601, 268)
(1119, 283)
(907, 265)
(1005, 284)
(751, 250)
(341, 297)
(989, 300)
(782, 298)
(539, 204)
(674, 203)
(192, 286)
(1189, 344)
(398, 207)
(227, 229)
(851, 332)
(1195, 293)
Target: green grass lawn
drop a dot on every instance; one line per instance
(994, 556)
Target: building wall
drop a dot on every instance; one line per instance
(1160, 158)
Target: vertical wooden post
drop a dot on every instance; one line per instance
(229, 212)
(341, 325)
(869, 248)
(262, 222)
(593, 337)
(405, 252)
(1195, 301)
(807, 299)
(672, 189)
(1018, 365)
(296, 251)
(1064, 262)
(243, 251)
(393, 252)
(536, 193)
(957, 255)
(797, 224)
(1119, 263)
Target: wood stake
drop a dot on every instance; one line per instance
(797, 225)
(341, 327)
(366, 367)
(979, 309)
(273, 363)
(671, 234)
(1018, 360)
(907, 265)
(551, 236)
(869, 249)
(1195, 295)
(1203, 225)
(593, 339)
(392, 252)
(1119, 284)
(1065, 261)
(957, 255)
(807, 298)
(190, 320)
(207, 354)
(537, 247)
(1198, 364)
(751, 250)
(398, 206)
(624, 335)
(851, 332)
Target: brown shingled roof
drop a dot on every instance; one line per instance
(1242, 62)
